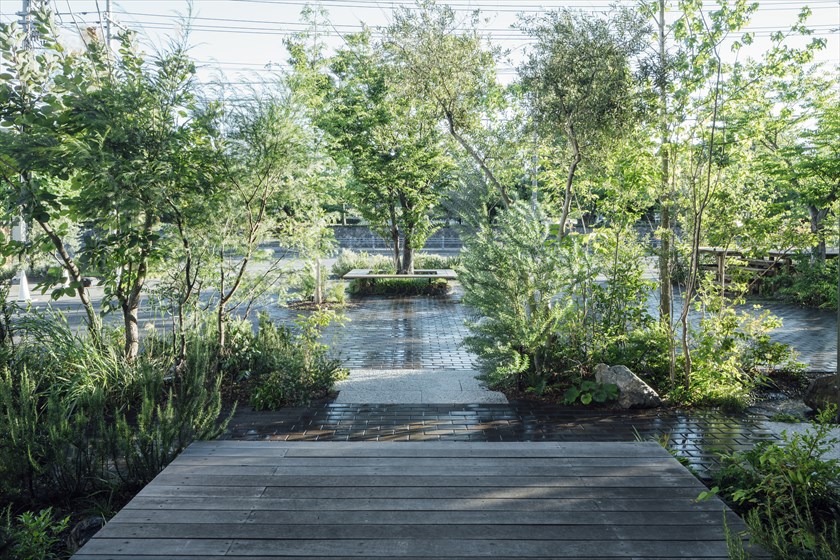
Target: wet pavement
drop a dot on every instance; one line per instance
(420, 334)
(699, 436)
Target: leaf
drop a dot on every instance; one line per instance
(586, 398)
(703, 496)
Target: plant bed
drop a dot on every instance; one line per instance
(399, 287)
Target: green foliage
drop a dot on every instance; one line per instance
(347, 260)
(645, 352)
(399, 287)
(399, 164)
(67, 436)
(291, 366)
(511, 275)
(812, 283)
(543, 312)
(171, 414)
(732, 353)
(429, 261)
(33, 536)
(788, 491)
(588, 392)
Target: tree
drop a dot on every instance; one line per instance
(579, 82)
(398, 161)
(441, 61)
(134, 145)
(35, 172)
(266, 162)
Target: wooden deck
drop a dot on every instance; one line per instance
(263, 500)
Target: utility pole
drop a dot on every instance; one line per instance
(108, 24)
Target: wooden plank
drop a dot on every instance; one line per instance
(406, 492)
(420, 548)
(444, 548)
(430, 449)
(275, 557)
(670, 481)
(385, 504)
(662, 519)
(260, 500)
(600, 531)
(453, 463)
(674, 469)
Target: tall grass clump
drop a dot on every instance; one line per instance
(80, 421)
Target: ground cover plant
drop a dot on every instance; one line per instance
(787, 492)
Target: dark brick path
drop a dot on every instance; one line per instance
(697, 435)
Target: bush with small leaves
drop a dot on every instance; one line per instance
(788, 491)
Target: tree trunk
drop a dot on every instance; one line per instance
(666, 196)
(132, 330)
(818, 216)
(220, 325)
(408, 255)
(395, 238)
(220, 311)
(567, 194)
(75, 279)
(319, 296)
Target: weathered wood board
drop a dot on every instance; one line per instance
(260, 500)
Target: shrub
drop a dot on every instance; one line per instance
(588, 392)
(541, 312)
(348, 260)
(731, 354)
(33, 536)
(511, 275)
(790, 494)
(293, 367)
(67, 436)
(399, 287)
(813, 284)
(431, 261)
(646, 352)
(171, 414)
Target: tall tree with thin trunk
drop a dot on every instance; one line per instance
(34, 168)
(131, 140)
(444, 61)
(580, 82)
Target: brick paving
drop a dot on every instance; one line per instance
(399, 333)
(420, 333)
(697, 435)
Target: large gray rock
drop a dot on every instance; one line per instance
(822, 391)
(84, 531)
(632, 391)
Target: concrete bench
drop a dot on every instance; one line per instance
(431, 274)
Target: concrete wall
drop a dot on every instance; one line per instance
(360, 238)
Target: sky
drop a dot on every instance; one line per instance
(241, 41)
